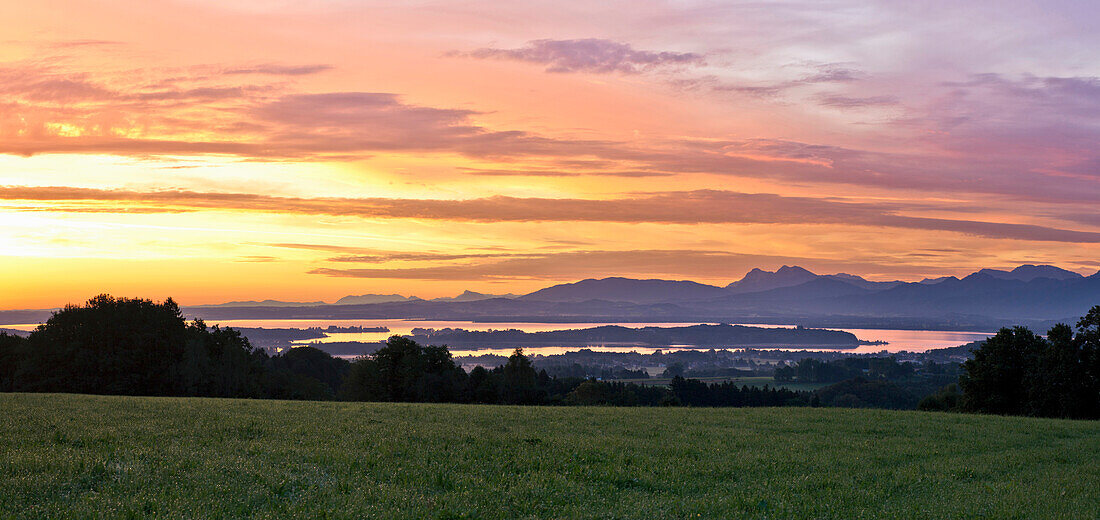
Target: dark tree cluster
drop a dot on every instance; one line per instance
(692, 392)
(719, 372)
(1017, 372)
(405, 371)
(138, 347)
(613, 393)
(870, 382)
(860, 392)
(810, 370)
(580, 371)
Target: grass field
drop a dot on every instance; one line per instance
(66, 456)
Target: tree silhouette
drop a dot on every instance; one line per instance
(1019, 373)
(139, 347)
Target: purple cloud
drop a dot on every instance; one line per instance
(829, 73)
(362, 120)
(272, 69)
(841, 101)
(590, 55)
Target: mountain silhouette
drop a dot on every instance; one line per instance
(1030, 272)
(625, 290)
(471, 296)
(984, 300)
(373, 298)
(758, 279)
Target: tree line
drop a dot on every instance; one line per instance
(129, 346)
(139, 347)
(814, 371)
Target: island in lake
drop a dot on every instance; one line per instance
(702, 336)
(693, 336)
(280, 338)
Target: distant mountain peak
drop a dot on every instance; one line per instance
(760, 280)
(793, 269)
(862, 282)
(363, 299)
(1029, 272)
(622, 289)
(471, 296)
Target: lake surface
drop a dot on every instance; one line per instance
(898, 340)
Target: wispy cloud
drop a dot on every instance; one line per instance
(841, 101)
(69, 44)
(590, 55)
(584, 264)
(257, 259)
(274, 69)
(817, 74)
(380, 257)
(692, 207)
(561, 172)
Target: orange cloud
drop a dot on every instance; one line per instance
(696, 207)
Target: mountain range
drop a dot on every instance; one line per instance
(466, 296)
(1028, 292)
(651, 291)
(361, 299)
(1033, 295)
(655, 291)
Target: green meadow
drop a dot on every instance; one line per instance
(70, 456)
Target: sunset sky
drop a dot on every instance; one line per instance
(230, 150)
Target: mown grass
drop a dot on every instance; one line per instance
(66, 456)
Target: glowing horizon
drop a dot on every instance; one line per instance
(300, 153)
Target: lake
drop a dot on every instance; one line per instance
(898, 340)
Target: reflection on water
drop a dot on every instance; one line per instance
(550, 351)
(914, 340)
